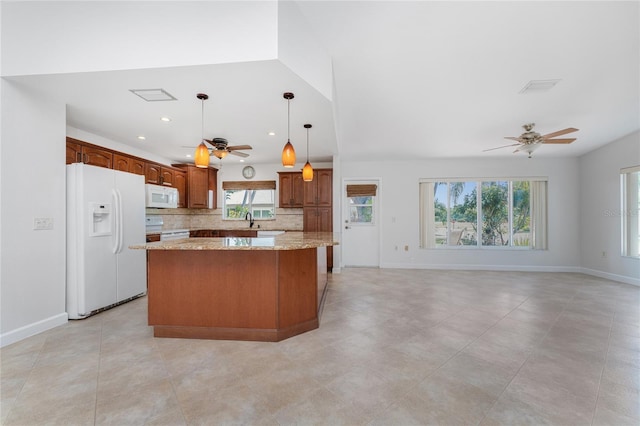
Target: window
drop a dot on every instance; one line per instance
(483, 213)
(257, 198)
(630, 183)
(361, 207)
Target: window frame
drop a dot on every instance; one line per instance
(629, 214)
(249, 186)
(537, 237)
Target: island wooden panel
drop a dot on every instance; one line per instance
(266, 295)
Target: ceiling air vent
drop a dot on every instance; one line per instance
(539, 86)
(153, 95)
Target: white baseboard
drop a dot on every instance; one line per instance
(610, 276)
(33, 329)
(465, 267)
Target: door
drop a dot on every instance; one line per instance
(360, 223)
(131, 264)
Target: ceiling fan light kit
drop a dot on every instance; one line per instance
(221, 147)
(288, 153)
(307, 170)
(530, 140)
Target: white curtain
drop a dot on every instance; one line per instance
(427, 215)
(538, 199)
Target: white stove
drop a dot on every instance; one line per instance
(154, 226)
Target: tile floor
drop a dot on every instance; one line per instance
(395, 347)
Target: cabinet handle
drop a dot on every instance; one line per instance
(78, 157)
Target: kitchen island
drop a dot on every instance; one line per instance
(235, 288)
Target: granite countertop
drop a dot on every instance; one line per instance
(286, 241)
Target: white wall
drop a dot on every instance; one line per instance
(299, 50)
(32, 276)
(399, 201)
(63, 37)
(600, 208)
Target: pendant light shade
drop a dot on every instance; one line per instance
(307, 170)
(201, 156)
(288, 153)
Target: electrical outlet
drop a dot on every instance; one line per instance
(42, 223)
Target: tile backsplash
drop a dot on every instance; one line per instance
(285, 220)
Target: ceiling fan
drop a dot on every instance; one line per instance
(530, 140)
(221, 148)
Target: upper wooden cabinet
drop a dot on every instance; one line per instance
(291, 189)
(198, 182)
(180, 183)
(129, 164)
(80, 152)
(213, 186)
(158, 174)
(318, 192)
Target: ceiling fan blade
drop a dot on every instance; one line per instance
(559, 133)
(236, 147)
(500, 147)
(558, 140)
(513, 138)
(238, 153)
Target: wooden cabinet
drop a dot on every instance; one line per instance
(151, 238)
(211, 233)
(159, 175)
(318, 192)
(74, 152)
(317, 219)
(198, 182)
(318, 210)
(129, 164)
(291, 190)
(213, 186)
(79, 152)
(180, 183)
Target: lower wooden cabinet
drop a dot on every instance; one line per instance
(319, 219)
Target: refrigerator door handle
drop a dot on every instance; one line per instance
(118, 232)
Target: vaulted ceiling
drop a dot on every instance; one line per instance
(409, 80)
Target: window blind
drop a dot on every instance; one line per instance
(361, 190)
(240, 185)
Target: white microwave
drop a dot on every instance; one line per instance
(161, 197)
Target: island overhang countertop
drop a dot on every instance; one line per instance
(285, 241)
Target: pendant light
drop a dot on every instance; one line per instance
(288, 153)
(201, 156)
(307, 170)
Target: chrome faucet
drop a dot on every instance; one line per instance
(249, 217)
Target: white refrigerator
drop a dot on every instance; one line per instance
(105, 214)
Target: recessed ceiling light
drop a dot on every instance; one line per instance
(188, 155)
(153, 95)
(167, 119)
(241, 160)
(272, 133)
(539, 86)
(141, 137)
